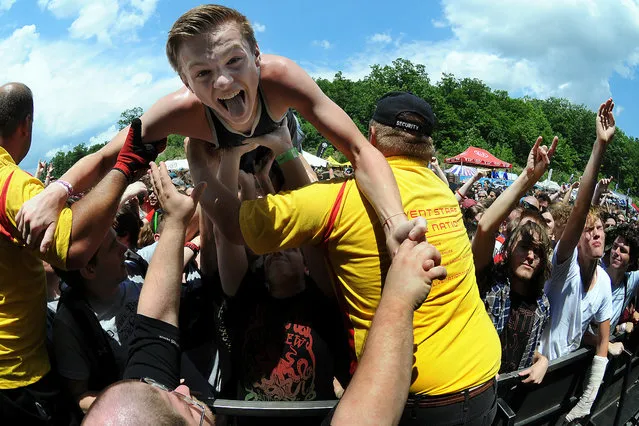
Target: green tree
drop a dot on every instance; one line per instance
(127, 116)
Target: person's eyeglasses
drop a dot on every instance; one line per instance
(189, 401)
(527, 205)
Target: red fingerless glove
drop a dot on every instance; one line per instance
(136, 155)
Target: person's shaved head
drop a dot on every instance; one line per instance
(16, 104)
(131, 402)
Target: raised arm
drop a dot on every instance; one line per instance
(600, 189)
(208, 248)
(484, 241)
(172, 114)
(218, 202)
(160, 297)
(577, 218)
(575, 185)
(232, 259)
(378, 391)
(438, 170)
(93, 215)
(290, 161)
(461, 192)
(374, 176)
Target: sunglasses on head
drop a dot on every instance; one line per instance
(527, 205)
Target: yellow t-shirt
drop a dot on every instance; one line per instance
(457, 345)
(23, 353)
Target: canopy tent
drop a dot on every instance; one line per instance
(462, 171)
(313, 160)
(479, 157)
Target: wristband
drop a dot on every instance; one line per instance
(623, 327)
(192, 246)
(287, 155)
(66, 186)
(460, 194)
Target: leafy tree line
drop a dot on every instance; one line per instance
(468, 113)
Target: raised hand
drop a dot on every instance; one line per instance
(135, 155)
(411, 275)
(603, 183)
(248, 146)
(176, 206)
(606, 122)
(279, 140)
(41, 167)
(539, 158)
(201, 154)
(263, 166)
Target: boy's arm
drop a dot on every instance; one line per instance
(577, 219)
(373, 174)
(172, 114)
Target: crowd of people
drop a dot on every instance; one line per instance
(246, 277)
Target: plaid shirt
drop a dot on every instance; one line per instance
(497, 302)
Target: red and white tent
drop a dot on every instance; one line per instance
(479, 157)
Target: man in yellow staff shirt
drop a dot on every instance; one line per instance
(28, 392)
(457, 351)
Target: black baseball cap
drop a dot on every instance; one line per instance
(392, 104)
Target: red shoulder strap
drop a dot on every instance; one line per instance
(7, 230)
(334, 211)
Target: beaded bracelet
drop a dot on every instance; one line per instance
(66, 185)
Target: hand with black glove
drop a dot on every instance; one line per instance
(136, 155)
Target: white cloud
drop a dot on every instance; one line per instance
(324, 44)
(80, 88)
(103, 19)
(259, 28)
(438, 23)
(381, 38)
(543, 48)
(6, 4)
(105, 136)
(52, 152)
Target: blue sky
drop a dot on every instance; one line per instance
(88, 60)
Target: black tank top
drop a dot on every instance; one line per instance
(227, 137)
